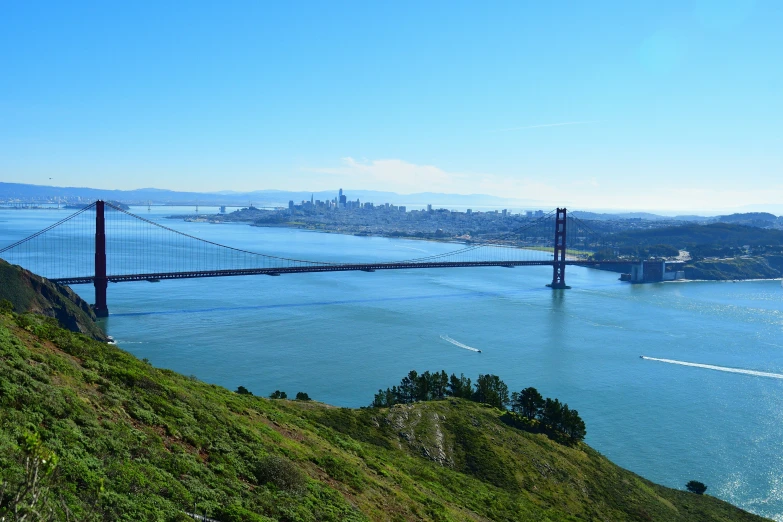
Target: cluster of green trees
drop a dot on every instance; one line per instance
(634, 251)
(550, 413)
(686, 236)
(651, 251)
(701, 241)
(277, 394)
(427, 386)
(694, 486)
(542, 414)
(300, 396)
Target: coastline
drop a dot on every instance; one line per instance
(446, 240)
(724, 280)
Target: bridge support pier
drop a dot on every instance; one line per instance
(558, 267)
(101, 283)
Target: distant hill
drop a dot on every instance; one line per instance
(606, 216)
(752, 219)
(258, 198)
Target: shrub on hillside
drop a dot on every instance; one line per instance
(284, 474)
(694, 486)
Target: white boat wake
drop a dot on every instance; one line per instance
(457, 343)
(718, 368)
(411, 248)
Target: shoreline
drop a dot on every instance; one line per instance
(724, 280)
(452, 241)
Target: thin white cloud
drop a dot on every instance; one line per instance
(549, 185)
(545, 125)
(400, 176)
(385, 174)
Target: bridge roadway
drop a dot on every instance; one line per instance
(369, 267)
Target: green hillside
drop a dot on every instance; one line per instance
(28, 292)
(684, 236)
(139, 443)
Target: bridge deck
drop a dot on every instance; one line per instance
(368, 267)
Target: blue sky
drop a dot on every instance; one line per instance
(635, 105)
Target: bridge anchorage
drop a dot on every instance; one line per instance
(117, 246)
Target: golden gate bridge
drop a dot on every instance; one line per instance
(102, 243)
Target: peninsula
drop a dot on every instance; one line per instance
(739, 246)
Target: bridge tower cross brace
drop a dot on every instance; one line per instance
(559, 264)
(100, 281)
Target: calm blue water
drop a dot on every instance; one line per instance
(341, 336)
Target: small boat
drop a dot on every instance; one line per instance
(479, 351)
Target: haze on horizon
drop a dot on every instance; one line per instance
(667, 106)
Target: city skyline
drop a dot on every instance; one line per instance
(672, 106)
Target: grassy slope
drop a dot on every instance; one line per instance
(158, 440)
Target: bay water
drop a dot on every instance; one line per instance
(342, 336)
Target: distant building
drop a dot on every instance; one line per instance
(291, 205)
(429, 208)
(652, 272)
(469, 212)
